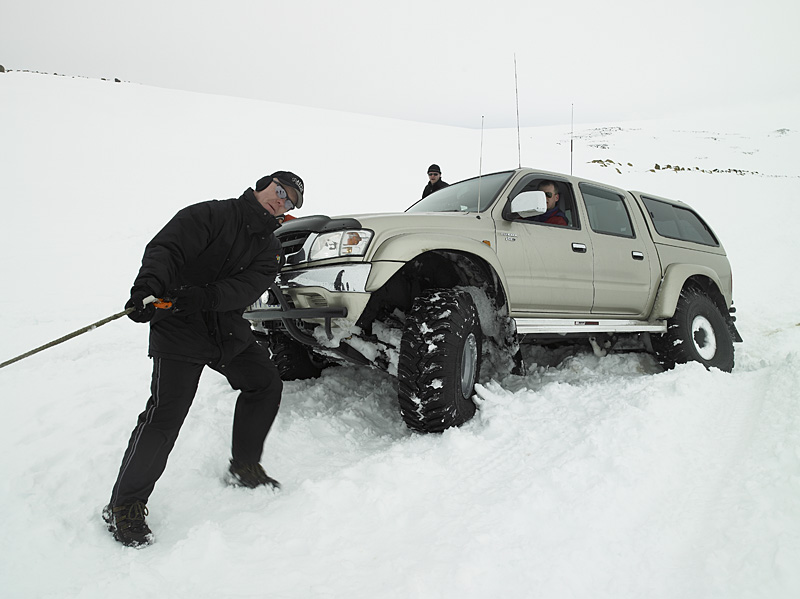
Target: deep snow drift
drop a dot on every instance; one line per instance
(589, 477)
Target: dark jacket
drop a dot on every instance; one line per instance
(431, 187)
(227, 246)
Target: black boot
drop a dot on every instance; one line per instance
(128, 525)
(250, 475)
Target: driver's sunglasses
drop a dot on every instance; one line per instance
(549, 194)
(431, 174)
(288, 204)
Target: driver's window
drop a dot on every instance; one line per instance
(564, 203)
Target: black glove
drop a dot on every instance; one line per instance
(141, 312)
(189, 300)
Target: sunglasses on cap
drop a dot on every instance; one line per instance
(281, 192)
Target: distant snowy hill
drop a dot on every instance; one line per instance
(589, 477)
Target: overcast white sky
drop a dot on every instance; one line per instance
(449, 62)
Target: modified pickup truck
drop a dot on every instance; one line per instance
(446, 292)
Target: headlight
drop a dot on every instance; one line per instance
(340, 243)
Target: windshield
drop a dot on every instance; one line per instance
(463, 196)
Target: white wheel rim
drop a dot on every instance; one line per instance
(703, 337)
(469, 362)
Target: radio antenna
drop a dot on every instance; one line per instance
(480, 170)
(516, 93)
(571, 136)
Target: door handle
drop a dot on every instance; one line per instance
(579, 248)
(637, 255)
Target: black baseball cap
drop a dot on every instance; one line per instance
(291, 182)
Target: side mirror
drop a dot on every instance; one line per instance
(529, 203)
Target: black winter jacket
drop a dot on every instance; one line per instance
(431, 187)
(227, 246)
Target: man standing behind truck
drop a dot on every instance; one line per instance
(435, 182)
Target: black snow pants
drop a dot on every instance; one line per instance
(172, 390)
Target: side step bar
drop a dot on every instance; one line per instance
(600, 325)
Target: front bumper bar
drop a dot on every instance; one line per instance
(287, 315)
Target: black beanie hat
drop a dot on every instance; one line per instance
(434, 168)
(287, 179)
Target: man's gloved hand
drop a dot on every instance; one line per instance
(141, 312)
(192, 299)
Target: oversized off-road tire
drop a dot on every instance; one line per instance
(440, 357)
(293, 360)
(697, 332)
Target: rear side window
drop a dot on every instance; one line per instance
(677, 222)
(607, 212)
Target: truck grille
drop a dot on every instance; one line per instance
(293, 241)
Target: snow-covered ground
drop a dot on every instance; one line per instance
(589, 477)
